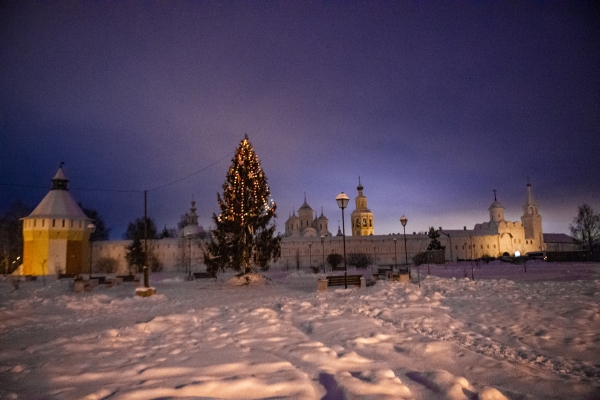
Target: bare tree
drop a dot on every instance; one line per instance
(586, 227)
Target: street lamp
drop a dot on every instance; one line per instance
(323, 250)
(310, 254)
(403, 221)
(189, 276)
(342, 201)
(374, 255)
(91, 228)
(450, 240)
(395, 255)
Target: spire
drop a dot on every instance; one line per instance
(359, 187)
(192, 218)
(495, 199)
(530, 207)
(59, 182)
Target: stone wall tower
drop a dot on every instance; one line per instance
(56, 234)
(361, 217)
(532, 221)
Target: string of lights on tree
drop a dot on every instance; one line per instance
(245, 191)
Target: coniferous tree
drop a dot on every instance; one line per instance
(135, 251)
(435, 243)
(244, 237)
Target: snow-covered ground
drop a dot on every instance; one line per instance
(508, 334)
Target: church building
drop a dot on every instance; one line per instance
(306, 223)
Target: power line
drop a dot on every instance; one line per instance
(192, 174)
(126, 191)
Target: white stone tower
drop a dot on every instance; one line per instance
(496, 211)
(532, 221)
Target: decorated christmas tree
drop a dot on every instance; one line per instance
(244, 238)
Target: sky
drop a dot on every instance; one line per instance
(433, 105)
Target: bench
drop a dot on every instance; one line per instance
(339, 280)
(383, 272)
(203, 275)
(129, 278)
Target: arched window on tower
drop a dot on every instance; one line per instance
(357, 222)
(364, 222)
(370, 223)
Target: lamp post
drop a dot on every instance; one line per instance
(342, 201)
(450, 240)
(310, 254)
(374, 255)
(395, 255)
(323, 250)
(92, 228)
(472, 247)
(189, 268)
(403, 221)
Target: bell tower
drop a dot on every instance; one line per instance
(362, 217)
(532, 220)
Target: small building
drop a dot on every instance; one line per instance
(56, 234)
(561, 242)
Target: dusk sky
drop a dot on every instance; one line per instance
(433, 105)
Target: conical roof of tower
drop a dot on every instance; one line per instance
(529, 201)
(58, 203)
(305, 206)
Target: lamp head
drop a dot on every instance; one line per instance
(403, 220)
(342, 200)
(91, 227)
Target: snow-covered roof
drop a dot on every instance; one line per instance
(558, 238)
(58, 204)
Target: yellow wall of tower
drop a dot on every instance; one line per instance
(51, 246)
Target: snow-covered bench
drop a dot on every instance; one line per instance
(340, 280)
(203, 275)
